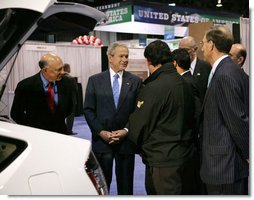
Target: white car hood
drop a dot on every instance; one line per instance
(19, 19)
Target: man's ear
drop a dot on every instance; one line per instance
(240, 59)
(148, 62)
(42, 64)
(174, 63)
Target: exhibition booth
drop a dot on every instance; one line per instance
(86, 60)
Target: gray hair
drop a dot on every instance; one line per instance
(112, 47)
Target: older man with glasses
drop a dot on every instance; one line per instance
(44, 100)
(199, 68)
(225, 119)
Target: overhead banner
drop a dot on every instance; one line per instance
(116, 13)
(172, 15)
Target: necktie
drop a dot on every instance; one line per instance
(191, 70)
(116, 89)
(209, 78)
(50, 97)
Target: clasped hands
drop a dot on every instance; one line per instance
(113, 137)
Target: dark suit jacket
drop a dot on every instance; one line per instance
(30, 106)
(225, 139)
(100, 111)
(201, 74)
(192, 82)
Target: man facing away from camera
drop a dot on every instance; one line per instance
(162, 126)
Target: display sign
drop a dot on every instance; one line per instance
(116, 13)
(39, 47)
(169, 15)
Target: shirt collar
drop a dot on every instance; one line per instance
(44, 80)
(217, 63)
(112, 73)
(184, 72)
(193, 64)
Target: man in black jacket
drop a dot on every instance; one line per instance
(161, 125)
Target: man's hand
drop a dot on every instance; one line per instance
(117, 136)
(106, 136)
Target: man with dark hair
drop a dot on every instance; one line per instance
(44, 100)
(238, 54)
(162, 125)
(181, 61)
(225, 121)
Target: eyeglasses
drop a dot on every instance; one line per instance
(190, 49)
(57, 70)
(203, 42)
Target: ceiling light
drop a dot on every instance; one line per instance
(219, 4)
(172, 4)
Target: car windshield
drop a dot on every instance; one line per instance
(14, 21)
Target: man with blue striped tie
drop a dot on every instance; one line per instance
(110, 99)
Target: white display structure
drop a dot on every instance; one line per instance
(84, 61)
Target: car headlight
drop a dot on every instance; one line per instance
(95, 173)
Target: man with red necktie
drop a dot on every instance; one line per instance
(44, 100)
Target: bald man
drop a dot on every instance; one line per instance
(238, 54)
(44, 100)
(199, 69)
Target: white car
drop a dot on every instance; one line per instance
(39, 162)
(34, 161)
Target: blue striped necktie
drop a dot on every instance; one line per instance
(210, 78)
(116, 89)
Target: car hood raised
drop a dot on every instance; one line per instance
(20, 19)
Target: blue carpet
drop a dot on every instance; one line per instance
(83, 131)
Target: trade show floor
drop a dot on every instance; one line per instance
(81, 128)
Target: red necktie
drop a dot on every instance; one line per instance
(50, 99)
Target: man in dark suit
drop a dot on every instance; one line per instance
(107, 109)
(199, 68)
(238, 54)
(225, 137)
(70, 118)
(44, 100)
(182, 62)
(162, 125)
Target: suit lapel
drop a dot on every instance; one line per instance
(107, 88)
(197, 69)
(208, 89)
(126, 85)
(59, 93)
(39, 88)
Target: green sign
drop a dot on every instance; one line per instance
(119, 15)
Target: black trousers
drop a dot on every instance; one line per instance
(175, 180)
(124, 170)
(237, 188)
